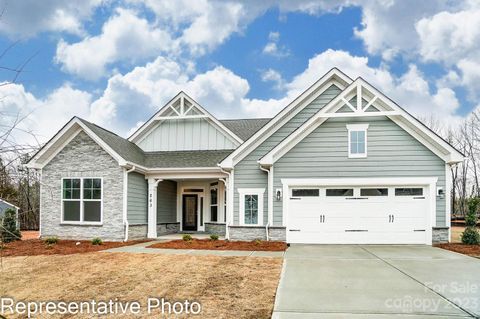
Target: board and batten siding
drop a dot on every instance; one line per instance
(247, 173)
(167, 202)
(137, 199)
(392, 152)
(186, 135)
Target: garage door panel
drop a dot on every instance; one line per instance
(389, 215)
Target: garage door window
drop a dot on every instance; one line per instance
(339, 192)
(251, 206)
(374, 192)
(305, 192)
(409, 191)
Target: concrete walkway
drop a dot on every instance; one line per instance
(341, 281)
(142, 249)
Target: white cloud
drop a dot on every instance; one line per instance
(26, 18)
(42, 117)
(272, 48)
(274, 76)
(124, 36)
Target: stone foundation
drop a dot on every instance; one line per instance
(215, 228)
(440, 235)
(137, 232)
(168, 228)
(248, 233)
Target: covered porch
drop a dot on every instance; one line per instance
(186, 201)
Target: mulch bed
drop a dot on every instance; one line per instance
(222, 245)
(470, 250)
(33, 247)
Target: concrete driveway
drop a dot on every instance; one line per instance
(349, 281)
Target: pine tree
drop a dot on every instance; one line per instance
(8, 229)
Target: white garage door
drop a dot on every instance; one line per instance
(358, 215)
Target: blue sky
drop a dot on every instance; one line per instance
(117, 62)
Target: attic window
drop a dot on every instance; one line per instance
(357, 140)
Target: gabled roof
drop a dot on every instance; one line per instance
(181, 106)
(334, 76)
(245, 128)
(366, 96)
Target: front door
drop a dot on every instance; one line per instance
(190, 202)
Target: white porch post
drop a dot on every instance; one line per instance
(152, 207)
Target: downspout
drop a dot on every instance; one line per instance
(227, 188)
(125, 199)
(269, 194)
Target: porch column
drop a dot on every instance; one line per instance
(152, 207)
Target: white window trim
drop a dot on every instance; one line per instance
(251, 191)
(357, 128)
(212, 205)
(81, 222)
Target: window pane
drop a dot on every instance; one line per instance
(97, 183)
(213, 213)
(67, 183)
(71, 211)
(408, 191)
(374, 192)
(213, 196)
(340, 192)
(91, 211)
(97, 194)
(67, 194)
(87, 183)
(305, 192)
(76, 194)
(361, 148)
(361, 136)
(87, 194)
(76, 183)
(251, 209)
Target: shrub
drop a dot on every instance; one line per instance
(471, 236)
(8, 227)
(187, 237)
(51, 240)
(213, 237)
(97, 241)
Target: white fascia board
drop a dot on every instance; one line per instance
(334, 76)
(454, 155)
(399, 116)
(68, 133)
(2, 200)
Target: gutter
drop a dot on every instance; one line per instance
(269, 196)
(125, 199)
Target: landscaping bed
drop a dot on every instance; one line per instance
(33, 247)
(222, 245)
(470, 250)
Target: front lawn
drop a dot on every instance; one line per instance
(256, 245)
(33, 247)
(226, 287)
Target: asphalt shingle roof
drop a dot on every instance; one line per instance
(166, 159)
(245, 128)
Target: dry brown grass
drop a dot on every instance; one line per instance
(227, 287)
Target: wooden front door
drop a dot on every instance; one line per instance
(190, 204)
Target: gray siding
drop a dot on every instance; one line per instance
(392, 152)
(186, 135)
(137, 204)
(167, 202)
(247, 172)
(82, 157)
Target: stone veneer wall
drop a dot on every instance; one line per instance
(215, 228)
(168, 228)
(275, 233)
(82, 157)
(440, 235)
(137, 232)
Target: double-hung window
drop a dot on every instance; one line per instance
(82, 200)
(357, 140)
(214, 203)
(251, 206)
